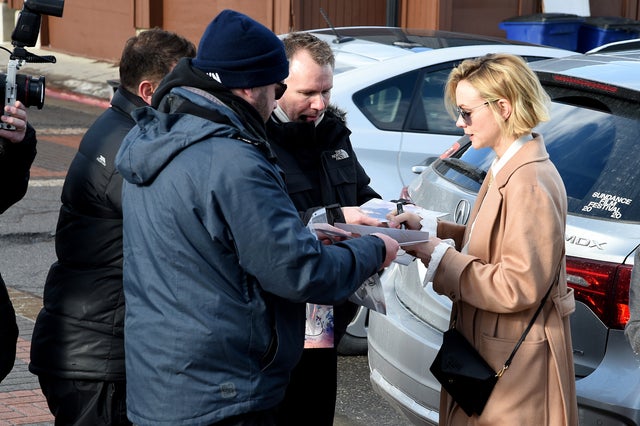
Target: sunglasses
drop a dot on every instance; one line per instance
(280, 89)
(466, 114)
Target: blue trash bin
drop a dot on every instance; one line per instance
(549, 29)
(599, 30)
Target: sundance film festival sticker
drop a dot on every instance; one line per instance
(608, 203)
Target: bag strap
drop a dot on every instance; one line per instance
(507, 363)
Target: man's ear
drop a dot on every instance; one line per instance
(248, 94)
(145, 90)
(243, 93)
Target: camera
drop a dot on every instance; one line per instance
(13, 86)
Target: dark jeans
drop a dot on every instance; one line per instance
(8, 332)
(85, 402)
(310, 399)
(256, 418)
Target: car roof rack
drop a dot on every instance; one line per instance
(617, 46)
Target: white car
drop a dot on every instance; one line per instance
(390, 82)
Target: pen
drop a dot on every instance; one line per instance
(399, 211)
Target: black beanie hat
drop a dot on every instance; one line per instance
(239, 52)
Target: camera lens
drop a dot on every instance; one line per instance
(30, 90)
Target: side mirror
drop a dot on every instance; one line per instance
(422, 166)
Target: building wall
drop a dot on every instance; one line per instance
(306, 14)
(476, 17)
(98, 28)
(191, 20)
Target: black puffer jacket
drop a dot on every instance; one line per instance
(79, 331)
(15, 162)
(321, 169)
(320, 165)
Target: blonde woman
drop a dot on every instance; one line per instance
(497, 268)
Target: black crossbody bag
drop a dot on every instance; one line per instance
(464, 374)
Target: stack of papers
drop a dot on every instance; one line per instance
(404, 237)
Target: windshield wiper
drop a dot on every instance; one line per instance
(472, 172)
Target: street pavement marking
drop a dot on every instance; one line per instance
(48, 183)
(25, 304)
(61, 131)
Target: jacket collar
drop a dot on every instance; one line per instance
(126, 101)
(530, 152)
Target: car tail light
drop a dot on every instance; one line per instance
(603, 287)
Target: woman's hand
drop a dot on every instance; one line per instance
(424, 251)
(409, 220)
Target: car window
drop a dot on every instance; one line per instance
(428, 113)
(386, 104)
(596, 152)
(593, 144)
(412, 102)
(478, 159)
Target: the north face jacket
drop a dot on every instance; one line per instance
(321, 168)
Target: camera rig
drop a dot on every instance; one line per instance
(28, 90)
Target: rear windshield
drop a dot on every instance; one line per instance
(593, 142)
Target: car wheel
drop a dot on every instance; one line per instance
(354, 342)
(352, 345)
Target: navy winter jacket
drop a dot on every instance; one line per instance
(216, 259)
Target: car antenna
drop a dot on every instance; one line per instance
(403, 41)
(339, 39)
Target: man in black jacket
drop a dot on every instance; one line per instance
(17, 151)
(77, 347)
(311, 141)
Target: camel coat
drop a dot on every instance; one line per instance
(515, 253)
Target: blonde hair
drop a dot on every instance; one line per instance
(319, 49)
(502, 76)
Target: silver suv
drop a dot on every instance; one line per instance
(592, 139)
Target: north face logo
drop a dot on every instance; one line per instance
(340, 154)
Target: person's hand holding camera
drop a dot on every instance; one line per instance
(16, 115)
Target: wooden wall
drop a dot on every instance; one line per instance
(306, 13)
(98, 28)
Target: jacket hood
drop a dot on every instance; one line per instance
(188, 107)
(183, 74)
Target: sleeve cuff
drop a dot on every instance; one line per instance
(436, 257)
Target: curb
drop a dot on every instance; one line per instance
(77, 97)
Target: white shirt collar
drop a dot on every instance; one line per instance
(498, 163)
